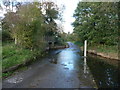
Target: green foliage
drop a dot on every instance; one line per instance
(30, 25)
(105, 49)
(72, 37)
(79, 43)
(97, 22)
(5, 36)
(6, 74)
(13, 55)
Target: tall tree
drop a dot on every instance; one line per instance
(31, 23)
(92, 18)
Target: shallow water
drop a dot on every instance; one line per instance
(104, 71)
(71, 59)
(66, 68)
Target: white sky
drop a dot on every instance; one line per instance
(70, 6)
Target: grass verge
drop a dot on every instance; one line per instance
(104, 50)
(13, 55)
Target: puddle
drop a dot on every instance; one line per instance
(66, 68)
(53, 61)
(70, 63)
(64, 64)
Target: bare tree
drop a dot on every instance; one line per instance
(6, 3)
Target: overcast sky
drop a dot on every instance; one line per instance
(70, 6)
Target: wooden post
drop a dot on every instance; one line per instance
(85, 48)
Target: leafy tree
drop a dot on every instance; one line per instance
(97, 22)
(51, 14)
(31, 23)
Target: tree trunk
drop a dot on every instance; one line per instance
(15, 41)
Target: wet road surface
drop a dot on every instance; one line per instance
(63, 68)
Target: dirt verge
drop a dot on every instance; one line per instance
(105, 55)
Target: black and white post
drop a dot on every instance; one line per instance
(85, 48)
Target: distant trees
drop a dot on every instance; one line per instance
(10, 4)
(51, 13)
(97, 22)
(29, 25)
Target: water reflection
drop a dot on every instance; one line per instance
(105, 75)
(85, 66)
(67, 59)
(72, 62)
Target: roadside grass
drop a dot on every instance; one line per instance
(13, 55)
(78, 43)
(104, 48)
(4, 75)
(111, 51)
(99, 48)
